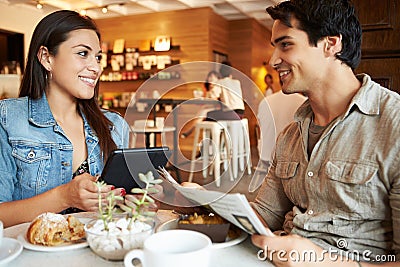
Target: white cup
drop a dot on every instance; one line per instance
(178, 248)
(1, 232)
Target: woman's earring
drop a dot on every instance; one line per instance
(50, 75)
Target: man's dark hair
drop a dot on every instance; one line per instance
(322, 18)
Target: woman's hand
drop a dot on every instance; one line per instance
(82, 193)
(158, 197)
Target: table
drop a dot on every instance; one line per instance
(148, 130)
(243, 254)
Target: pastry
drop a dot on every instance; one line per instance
(51, 229)
(76, 228)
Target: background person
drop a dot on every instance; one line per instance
(55, 130)
(334, 183)
(269, 82)
(275, 112)
(212, 77)
(229, 91)
(282, 107)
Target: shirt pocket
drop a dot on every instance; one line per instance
(286, 171)
(352, 188)
(33, 164)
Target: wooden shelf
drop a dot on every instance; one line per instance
(174, 48)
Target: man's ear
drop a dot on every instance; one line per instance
(44, 58)
(333, 44)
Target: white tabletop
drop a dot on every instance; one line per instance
(243, 254)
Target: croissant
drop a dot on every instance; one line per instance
(76, 228)
(51, 229)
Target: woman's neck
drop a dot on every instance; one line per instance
(63, 107)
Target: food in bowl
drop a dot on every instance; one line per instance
(51, 229)
(212, 225)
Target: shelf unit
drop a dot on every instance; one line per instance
(116, 83)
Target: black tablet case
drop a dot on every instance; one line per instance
(124, 165)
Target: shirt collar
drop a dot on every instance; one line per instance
(40, 113)
(367, 100)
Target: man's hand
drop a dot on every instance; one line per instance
(183, 206)
(293, 250)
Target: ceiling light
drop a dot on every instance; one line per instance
(39, 5)
(83, 12)
(104, 10)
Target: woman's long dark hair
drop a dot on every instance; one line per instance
(51, 32)
(207, 83)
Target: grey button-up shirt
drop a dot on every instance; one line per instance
(347, 195)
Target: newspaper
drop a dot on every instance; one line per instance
(233, 207)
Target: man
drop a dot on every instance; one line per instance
(334, 184)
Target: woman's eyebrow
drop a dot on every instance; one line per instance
(85, 46)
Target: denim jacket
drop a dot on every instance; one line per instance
(36, 155)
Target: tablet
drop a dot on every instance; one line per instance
(124, 165)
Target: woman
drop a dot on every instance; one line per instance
(209, 83)
(229, 91)
(54, 139)
(212, 77)
(269, 82)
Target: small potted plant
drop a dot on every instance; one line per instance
(119, 230)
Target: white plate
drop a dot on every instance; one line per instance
(27, 245)
(77, 245)
(10, 249)
(173, 224)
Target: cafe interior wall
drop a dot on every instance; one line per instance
(245, 42)
(20, 20)
(197, 38)
(381, 41)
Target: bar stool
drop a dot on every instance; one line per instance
(238, 131)
(214, 134)
(150, 131)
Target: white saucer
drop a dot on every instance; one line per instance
(173, 224)
(9, 249)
